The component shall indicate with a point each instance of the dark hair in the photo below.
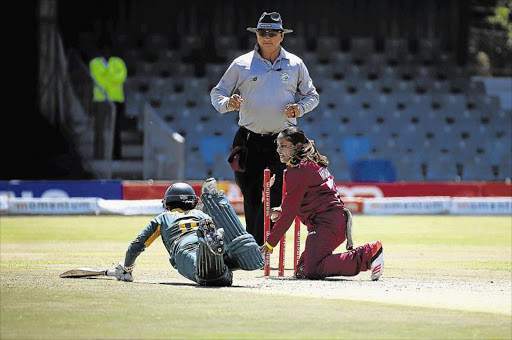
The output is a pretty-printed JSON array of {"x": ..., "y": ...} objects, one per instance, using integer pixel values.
[{"x": 308, "y": 152}]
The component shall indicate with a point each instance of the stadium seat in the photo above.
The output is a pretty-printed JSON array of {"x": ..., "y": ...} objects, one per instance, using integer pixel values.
[
  {"x": 373, "y": 170},
  {"x": 221, "y": 169},
  {"x": 339, "y": 58},
  {"x": 505, "y": 170},
  {"x": 441, "y": 167},
  {"x": 395, "y": 48},
  {"x": 338, "y": 166},
  {"x": 361, "y": 46},
  {"x": 210, "y": 146},
  {"x": 157, "y": 42},
  {"x": 355, "y": 147},
  {"x": 146, "y": 69},
  {"x": 294, "y": 43},
  {"x": 325, "y": 44},
  {"x": 167, "y": 55},
  {"x": 476, "y": 88},
  {"x": 190, "y": 42},
  {"x": 477, "y": 169},
  {"x": 224, "y": 43},
  {"x": 214, "y": 72}
]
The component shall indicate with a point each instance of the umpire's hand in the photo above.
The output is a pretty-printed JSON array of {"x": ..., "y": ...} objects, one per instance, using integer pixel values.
[
  {"x": 292, "y": 110},
  {"x": 235, "y": 101}
]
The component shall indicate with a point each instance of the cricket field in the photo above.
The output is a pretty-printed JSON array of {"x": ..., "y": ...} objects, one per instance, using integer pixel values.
[{"x": 445, "y": 277}]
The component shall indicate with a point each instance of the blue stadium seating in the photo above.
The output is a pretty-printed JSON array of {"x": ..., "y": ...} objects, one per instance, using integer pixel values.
[
  {"x": 211, "y": 146},
  {"x": 428, "y": 119},
  {"x": 373, "y": 170},
  {"x": 355, "y": 147}
]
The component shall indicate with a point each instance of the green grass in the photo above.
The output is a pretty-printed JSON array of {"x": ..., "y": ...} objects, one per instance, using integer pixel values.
[{"x": 35, "y": 303}]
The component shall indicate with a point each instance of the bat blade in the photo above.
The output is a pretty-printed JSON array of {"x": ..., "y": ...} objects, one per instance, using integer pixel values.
[{"x": 85, "y": 272}]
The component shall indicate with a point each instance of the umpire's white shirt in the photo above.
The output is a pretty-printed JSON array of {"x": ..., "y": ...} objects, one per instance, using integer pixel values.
[{"x": 266, "y": 90}]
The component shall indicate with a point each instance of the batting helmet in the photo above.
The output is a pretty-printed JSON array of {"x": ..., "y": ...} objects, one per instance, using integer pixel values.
[{"x": 180, "y": 195}]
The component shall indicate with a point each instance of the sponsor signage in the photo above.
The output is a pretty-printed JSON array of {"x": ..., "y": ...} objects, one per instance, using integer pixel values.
[
  {"x": 407, "y": 205},
  {"x": 154, "y": 190},
  {"x": 106, "y": 189},
  {"x": 482, "y": 206},
  {"x": 52, "y": 206}
]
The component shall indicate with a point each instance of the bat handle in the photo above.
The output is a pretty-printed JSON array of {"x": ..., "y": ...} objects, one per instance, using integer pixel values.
[{"x": 110, "y": 272}]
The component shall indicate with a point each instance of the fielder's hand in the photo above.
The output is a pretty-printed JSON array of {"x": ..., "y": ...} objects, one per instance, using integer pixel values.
[
  {"x": 235, "y": 101},
  {"x": 266, "y": 248},
  {"x": 123, "y": 273},
  {"x": 275, "y": 213},
  {"x": 292, "y": 110}
]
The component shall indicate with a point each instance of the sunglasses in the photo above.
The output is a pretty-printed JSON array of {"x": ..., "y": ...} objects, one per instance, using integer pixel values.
[{"x": 268, "y": 33}]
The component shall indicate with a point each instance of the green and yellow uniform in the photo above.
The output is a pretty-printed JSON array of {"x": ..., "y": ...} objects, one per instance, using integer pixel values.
[{"x": 178, "y": 230}]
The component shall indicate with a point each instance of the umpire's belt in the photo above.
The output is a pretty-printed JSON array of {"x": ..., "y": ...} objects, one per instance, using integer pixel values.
[{"x": 259, "y": 136}]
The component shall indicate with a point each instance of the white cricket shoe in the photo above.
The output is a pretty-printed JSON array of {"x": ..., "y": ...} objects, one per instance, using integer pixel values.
[
  {"x": 377, "y": 265},
  {"x": 211, "y": 236},
  {"x": 209, "y": 186}
]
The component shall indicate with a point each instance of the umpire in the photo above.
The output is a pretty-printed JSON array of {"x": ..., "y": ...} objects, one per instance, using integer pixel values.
[{"x": 271, "y": 88}]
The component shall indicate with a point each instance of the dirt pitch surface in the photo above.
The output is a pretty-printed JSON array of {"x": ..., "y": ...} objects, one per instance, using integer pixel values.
[{"x": 489, "y": 296}]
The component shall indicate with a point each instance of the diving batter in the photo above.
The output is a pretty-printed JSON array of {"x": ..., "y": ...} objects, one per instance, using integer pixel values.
[{"x": 204, "y": 246}]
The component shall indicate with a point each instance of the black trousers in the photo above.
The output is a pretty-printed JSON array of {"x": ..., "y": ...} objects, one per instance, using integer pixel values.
[{"x": 261, "y": 154}]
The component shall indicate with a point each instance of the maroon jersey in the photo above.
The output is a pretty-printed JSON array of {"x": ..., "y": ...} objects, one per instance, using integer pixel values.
[{"x": 310, "y": 190}]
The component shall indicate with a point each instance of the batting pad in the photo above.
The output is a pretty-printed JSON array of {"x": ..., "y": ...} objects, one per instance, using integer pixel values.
[
  {"x": 223, "y": 215},
  {"x": 246, "y": 252},
  {"x": 240, "y": 245},
  {"x": 210, "y": 268}
]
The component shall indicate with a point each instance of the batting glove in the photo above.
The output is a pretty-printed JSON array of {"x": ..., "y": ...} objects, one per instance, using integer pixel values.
[{"x": 124, "y": 273}]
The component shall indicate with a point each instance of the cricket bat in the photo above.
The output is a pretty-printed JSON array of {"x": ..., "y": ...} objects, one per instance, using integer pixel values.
[{"x": 87, "y": 272}]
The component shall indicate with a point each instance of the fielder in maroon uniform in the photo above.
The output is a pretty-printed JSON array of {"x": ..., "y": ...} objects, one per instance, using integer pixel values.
[{"x": 312, "y": 196}]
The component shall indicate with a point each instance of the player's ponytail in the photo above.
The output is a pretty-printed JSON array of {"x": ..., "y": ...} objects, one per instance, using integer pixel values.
[{"x": 308, "y": 152}]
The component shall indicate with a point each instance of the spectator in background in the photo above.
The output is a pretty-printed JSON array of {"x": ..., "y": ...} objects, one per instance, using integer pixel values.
[
  {"x": 271, "y": 88},
  {"x": 108, "y": 80}
]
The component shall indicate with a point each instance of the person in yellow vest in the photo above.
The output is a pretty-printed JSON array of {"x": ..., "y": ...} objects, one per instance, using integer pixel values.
[{"x": 108, "y": 80}]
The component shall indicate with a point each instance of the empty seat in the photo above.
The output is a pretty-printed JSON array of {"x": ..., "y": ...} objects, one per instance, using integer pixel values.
[
  {"x": 338, "y": 165},
  {"x": 190, "y": 42},
  {"x": 373, "y": 170},
  {"x": 362, "y": 46},
  {"x": 210, "y": 146},
  {"x": 504, "y": 170},
  {"x": 320, "y": 71},
  {"x": 167, "y": 55},
  {"x": 215, "y": 71},
  {"x": 477, "y": 169},
  {"x": 441, "y": 167},
  {"x": 326, "y": 44},
  {"x": 221, "y": 169},
  {"x": 224, "y": 43},
  {"x": 157, "y": 42},
  {"x": 339, "y": 58},
  {"x": 146, "y": 69},
  {"x": 355, "y": 147},
  {"x": 396, "y": 47},
  {"x": 428, "y": 48},
  {"x": 294, "y": 43},
  {"x": 195, "y": 169},
  {"x": 455, "y": 104}
]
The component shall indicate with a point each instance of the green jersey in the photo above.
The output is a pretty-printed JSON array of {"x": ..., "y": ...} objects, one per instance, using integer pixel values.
[{"x": 172, "y": 226}]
